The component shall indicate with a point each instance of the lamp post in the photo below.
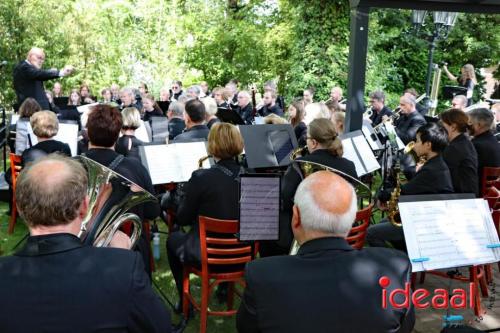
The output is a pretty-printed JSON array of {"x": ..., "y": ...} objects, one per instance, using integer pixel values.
[{"x": 443, "y": 23}]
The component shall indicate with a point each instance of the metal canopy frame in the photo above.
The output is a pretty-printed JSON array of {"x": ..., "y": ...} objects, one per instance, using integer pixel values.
[{"x": 358, "y": 42}]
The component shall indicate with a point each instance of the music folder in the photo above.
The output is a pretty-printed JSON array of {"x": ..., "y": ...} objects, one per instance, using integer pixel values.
[
  {"x": 357, "y": 150},
  {"x": 173, "y": 163},
  {"x": 448, "y": 231},
  {"x": 451, "y": 91},
  {"x": 371, "y": 136},
  {"x": 159, "y": 129},
  {"x": 259, "y": 207},
  {"x": 268, "y": 146},
  {"x": 163, "y": 106},
  {"x": 61, "y": 102},
  {"x": 229, "y": 116}
]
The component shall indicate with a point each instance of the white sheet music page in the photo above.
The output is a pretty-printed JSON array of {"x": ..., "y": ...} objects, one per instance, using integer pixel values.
[
  {"x": 350, "y": 154},
  {"x": 448, "y": 233},
  {"x": 161, "y": 164},
  {"x": 368, "y": 136},
  {"x": 366, "y": 154},
  {"x": 68, "y": 133},
  {"x": 187, "y": 156}
]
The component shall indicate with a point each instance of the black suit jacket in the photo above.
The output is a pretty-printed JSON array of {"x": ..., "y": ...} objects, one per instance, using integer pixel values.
[
  {"x": 407, "y": 126},
  {"x": 376, "y": 117},
  {"x": 210, "y": 192},
  {"x": 54, "y": 284},
  {"x": 246, "y": 113},
  {"x": 461, "y": 158},
  {"x": 43, "y": 148},
  {"x": 327, "y": 287},
  {"x": 28, "y": 82},
  {"x": 195, "y": 133},
  {"x": 433, "y": 178},
  {"x": 488, "y": 152},
  {"x": 266, "y": 110},
  {"x": 175, "y": 127}
]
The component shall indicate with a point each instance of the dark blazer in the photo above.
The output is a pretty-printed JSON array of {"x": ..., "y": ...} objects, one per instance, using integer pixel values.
[
  {"x": 488, "y": 152},
  {"x": 195, "y": 133},
  {"x": 376, "y": 117},
  {"x": 461, "y": 158},
  {"x": 301, "y": 133},
  {"x": 266, "y": 110},
  {"x": 67, "y": 287},
  {"x": 28, "y": 82},
  {"x": 210, "y": 192},
  {"x": 246, "y": 113},
  {"x": 407, "y": 126},
  {"x": 327, "y": 287},
  {"x": 175, "y": 127},
  {"x": 433, "y": 178},
  {"x": 291, "y": 181},
  {"x": 122, "y": 144}
]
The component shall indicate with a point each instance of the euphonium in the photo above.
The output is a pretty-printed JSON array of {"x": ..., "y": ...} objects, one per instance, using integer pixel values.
[
  {"x": 410, "y": 151},
  {"x": 110, "y": 197}
]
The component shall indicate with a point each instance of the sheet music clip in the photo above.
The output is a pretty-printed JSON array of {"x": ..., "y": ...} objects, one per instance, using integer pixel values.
[
  {"x": 420, "y": 259},
  {"x": 493, "y": 246}
]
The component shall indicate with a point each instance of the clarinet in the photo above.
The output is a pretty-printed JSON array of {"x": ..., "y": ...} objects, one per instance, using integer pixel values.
[{"x": 254, "y": 103}]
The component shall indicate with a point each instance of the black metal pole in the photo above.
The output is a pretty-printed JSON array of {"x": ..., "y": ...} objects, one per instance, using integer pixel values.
[{"x": 432, "y": 46}]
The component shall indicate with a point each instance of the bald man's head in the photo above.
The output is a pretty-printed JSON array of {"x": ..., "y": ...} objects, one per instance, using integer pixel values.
[
  {"x": 50, "y": 191},
  {"x": 327, "y": 203},
  {"x": 36, "y": 57}
]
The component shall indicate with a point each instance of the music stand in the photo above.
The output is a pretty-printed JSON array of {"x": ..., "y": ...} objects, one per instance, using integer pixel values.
[
  {"x": 449, "y": 92},
  {"x": 163, "y": 106},
  {"x": 61, "y": 102},
  {"x": 229, "y": 116}
]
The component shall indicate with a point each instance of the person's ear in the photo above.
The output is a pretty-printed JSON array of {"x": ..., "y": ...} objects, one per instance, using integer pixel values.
[
  {"x": 296, "y": 222},
  {"x": 84, "y": 207}
]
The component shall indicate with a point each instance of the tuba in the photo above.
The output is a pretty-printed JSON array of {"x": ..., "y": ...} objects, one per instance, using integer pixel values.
[{"x": 111, "y": 196}]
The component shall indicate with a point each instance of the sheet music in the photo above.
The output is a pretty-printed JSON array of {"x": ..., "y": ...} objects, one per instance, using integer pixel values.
[
  {"x": 175, "y": 162},
  {"x": 366, "y": 154},
  {"x": 159, "y": 127},
  {"x": 14, "y": 118},
  {"x": 392, "y": 130},
  {"x": 350, "y": 154},
  {"x": 86, "y": 108},
  {"x": 67, "y": 133},
  {"x": 449, "y": 233},
  {"x": 259, "y": 208},
  {"x": 142, "y": 133},
  {"x": 368, "y": 135}
]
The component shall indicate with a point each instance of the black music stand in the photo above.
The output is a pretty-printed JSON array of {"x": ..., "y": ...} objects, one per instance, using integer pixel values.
[
  {"x": 61, "y": 102},
  {"x": 163, "y": 106},
  {"x": 449, "y": 92},
  {"x": 229, "y": 116}
]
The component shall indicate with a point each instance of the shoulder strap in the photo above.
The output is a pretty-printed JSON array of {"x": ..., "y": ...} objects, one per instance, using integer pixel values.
[{"x": 114, "y": 164}]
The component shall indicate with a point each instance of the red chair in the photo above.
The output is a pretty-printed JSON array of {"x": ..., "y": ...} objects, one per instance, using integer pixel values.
[
  {"x": 491, "y": 178},
  {"x": 492, "y": 195},
  {"x": 15, "y": 169},
  {"x": 357, "y": 234},
  {"x": 223, "y": 259}
]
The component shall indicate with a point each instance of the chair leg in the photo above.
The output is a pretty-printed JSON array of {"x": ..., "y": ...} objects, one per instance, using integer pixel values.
[
  {"x": 422, "y": 277},
  {"x": 185, "y": 293},
  {"x": 413, "y": 279},
  {"x": 230, "y": 295},
  {"x": 489, "y": 273},
  {"x": 474, "y": 279},
  {"x": 482, "y": 281},
  {"x": 13, "y": 218},
  {"x": 204, "y": 305}
]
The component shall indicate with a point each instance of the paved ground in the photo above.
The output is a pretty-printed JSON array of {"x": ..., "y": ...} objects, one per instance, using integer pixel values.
[{"x": 432, "y": 320}]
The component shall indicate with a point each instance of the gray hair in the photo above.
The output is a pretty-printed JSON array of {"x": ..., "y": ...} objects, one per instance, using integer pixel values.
[
  {"x": 177, "y": 109},
  {"x": 128, "y": 91},
  {"x": 244, "y": 93},
  {"x": 314, "y": 217},
  {"x": 461, "y": 99},
  {"x": 410, "y": 99},
  {"x": 378, "y": 95},
  {"x": 210, "y": 106},
  {"x": 196, "y": 90},
  {"x": 184, "y": 98},
  {"x": 482, "y": 116}
]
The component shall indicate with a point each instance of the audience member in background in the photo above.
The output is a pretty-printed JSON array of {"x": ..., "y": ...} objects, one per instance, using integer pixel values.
[
  {"x": 127, "y": 97},
  {"x": 103, "y": 126},
  {"x": 467, "y": 79},
  {"x": 74, "y": 98},
  {"x": 107, "y": 285},
  {"x": 194, "y": 92},
  {"x": 26, "y": 110},
  {"x": 128, "y": 144},
  {"x": 460, "y": 155},
  {"x": 194, "y": 118},
  {"x": 328, "y": 286},
  {"x": 315, "y": 111},
  {"x": 270, "y": 106},
  {"x": 325, "y": 147},
  {"x": 45, "y": 126},
  {"x": 204, "y": 89},
  {"x": 164, "y": 94},
  {"x": 143, "y": 89},
  {"x": 115, "y": 91},
  {"x": 459, "y": 102},
  {"x": 378, "y": 107},
  {"x": 211, "y": 111},
  {"x": 244, "y": 108},
  {"x": 57, "y": 90},
  {"x": 176, "y": 90},
  {"x": 210, "y": 192},
  {"x": 107, "y": 95},
  {"x": 338, "y": 119},
  {"x": 296, "y": 117},
  {"x": 175, "y": 117},
  {"x": 50, "y": 98},
  {"x": 308, "y": 96},
  {"x": 87, "y": 98},
  {"x": 150, "y": 108},
  {"x": 487, "y": 146}
]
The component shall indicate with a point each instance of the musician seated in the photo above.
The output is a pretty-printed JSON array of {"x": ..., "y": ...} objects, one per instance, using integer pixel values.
[
  {"x": 328, "y": 286},
  {"x": 103, "y": 127},
  {"x": 150, "y": 108},
  {"x": 460, "y": 155},
  {"x": 325, "y": 148},
  {"x": 433, "y": 177},
  {"x": 336, "y": 96},
  {"x": 221, "y": 96},
  {"x": 378, "y": 107},
  {"x": 65, "y": 286},
  {"x": 244, "y": 108},
  {"x": 45, "y": 126},
  {"x": 128, "y": 99},
  {"x": 26, "y": 110},
  {"x": 128, "y": 144},
  {"x": 422, "y": 109},
  {"x": 296, "y": 116},
  {"x": 210, "y": 192},
  {"x": 270, "y": 106},
  {"x": 194, "y": 118},
  {"x": 338, "y": 119},
  {"x": 315, "y": 111},
  {"x": 211, "y": 111},
  {"x": 175, "y": 116},
  {"x": 459, "y": 102},
  {"x": 487, "y": 146}
]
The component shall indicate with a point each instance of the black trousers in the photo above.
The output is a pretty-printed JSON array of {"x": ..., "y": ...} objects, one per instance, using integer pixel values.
[
  {"x": 379, "y": 235},
  {"x": 175, "y": 254}
]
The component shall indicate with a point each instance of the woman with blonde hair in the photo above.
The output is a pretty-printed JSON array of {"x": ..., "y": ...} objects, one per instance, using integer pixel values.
[
  {"x": 212, "y": 192},
  {"x": 128, "y": 144},
  {"x": 325, "y": 148},
  {"x": 467, "y": 79}
]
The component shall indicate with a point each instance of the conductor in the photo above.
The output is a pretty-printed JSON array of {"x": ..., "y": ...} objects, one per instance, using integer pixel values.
[{"x": 29, "y": 77}]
